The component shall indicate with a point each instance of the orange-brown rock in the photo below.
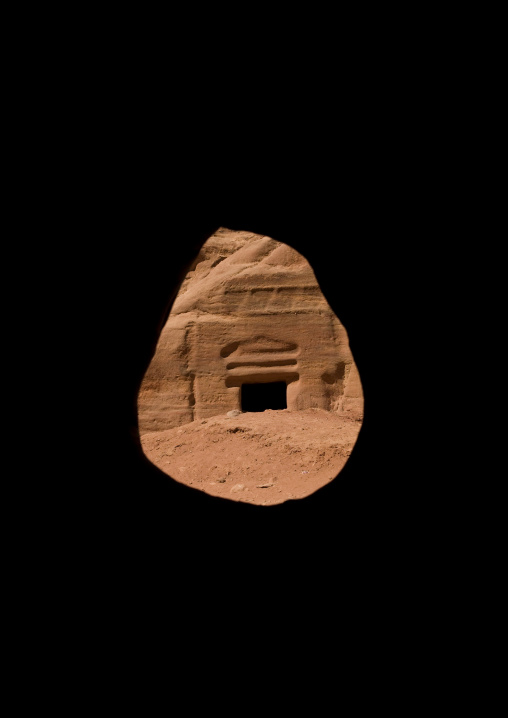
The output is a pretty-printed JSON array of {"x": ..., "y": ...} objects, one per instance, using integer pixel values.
[{"x": 249, "y": 330}]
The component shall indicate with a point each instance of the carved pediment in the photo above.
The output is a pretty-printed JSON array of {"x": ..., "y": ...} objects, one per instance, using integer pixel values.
[{"x": 257, "y": 345}]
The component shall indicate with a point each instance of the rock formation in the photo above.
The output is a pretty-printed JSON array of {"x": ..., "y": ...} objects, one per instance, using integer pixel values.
[{"x": 249, "y": 330}]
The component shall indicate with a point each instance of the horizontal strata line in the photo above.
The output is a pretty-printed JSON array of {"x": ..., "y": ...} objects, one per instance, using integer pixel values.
[
  {"x": 247, "y": 290},
  {"x": 275, "y": 312},
  {"x": 268, "y": 362},
  {"x": 261, "y": 370}
]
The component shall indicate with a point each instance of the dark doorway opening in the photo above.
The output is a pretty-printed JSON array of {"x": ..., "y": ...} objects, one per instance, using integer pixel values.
[{"x": 259, "y": 397}]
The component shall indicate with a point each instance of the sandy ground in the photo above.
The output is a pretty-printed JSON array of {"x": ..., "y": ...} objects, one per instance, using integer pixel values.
[{"x": 263, "y": 458}]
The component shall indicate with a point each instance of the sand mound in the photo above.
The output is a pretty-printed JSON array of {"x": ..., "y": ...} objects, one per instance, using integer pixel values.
[{"x": 262, "y": 458}]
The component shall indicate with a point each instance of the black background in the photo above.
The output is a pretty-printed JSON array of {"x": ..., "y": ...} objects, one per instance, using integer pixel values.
[
  {"x": 348, "y": 190},
  {"x": 351, "y": 213},
  {"x": 345, "y": 145}
]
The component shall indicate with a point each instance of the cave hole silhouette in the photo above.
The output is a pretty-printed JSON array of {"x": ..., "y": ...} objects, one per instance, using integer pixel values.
[{"x": 262, "y": 396}]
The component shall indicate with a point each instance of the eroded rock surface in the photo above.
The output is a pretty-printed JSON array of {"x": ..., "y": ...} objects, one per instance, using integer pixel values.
[{"x": 249, "y": 330}]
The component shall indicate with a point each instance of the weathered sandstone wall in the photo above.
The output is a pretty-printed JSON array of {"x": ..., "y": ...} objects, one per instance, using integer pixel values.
[{"x": 249, "y": 312}]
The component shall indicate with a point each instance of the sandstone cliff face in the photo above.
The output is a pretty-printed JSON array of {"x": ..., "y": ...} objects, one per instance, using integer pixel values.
[{"x": 249, "y": 330}]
